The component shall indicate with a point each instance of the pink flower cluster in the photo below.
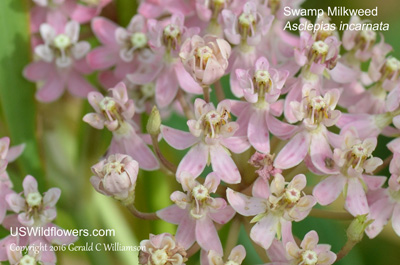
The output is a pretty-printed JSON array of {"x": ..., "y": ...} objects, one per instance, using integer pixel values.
[
  {"x": 27, "y": 210},
  {"x": 300, "y": 110}
]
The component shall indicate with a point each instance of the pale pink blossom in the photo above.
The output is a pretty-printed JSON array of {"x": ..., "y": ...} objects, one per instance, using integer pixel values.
[
  {"x": 352, "y": 167},
  {"x": 274, "y": 209},
  {"x": 162, "y": 249},
  {"x": 384, "y": 204},
  {"x": 157, "y": 8},
  {"x": 61, "y": 63},
  {"x": 195, "y": 210},
  {"x": 36, "y": 210},
  {"x": 210, "y": 137},
  {"x": 309, "y": 252},
  {"x": 116, "y": 176},
  {"x": 58, "y": 12},
  {"x": 35, "y": 253},
  {"x": 125, "y": 49},
  {"x": 261, "y": 87},
  {"x": 167, "y": 72},
  {"x": 246, "y": 31},
  {"x": 236, "y": 257},
  {"x": 206, "y": 59},
  {"x": 116, "y": 112},
  {"x": 311, "y": 137}
]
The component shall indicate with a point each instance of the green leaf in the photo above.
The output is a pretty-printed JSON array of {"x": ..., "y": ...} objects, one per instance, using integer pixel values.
[{"x": 16, "y": 93}]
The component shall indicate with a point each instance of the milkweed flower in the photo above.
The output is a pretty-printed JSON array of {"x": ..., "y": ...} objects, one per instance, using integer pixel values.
[
  {"x": 236, "y": 257},
  {"x": 206, "y": 59},
  {"x": 384, "y": 203},
  {"x": 115, "y": 112},
  {"x": 36, "y": 210},
  {"x": 161, "y": 249},
  {"x": 210, "y": 137},
  {"x": 352, "y": 165},
  {"x": 62, "y": 63},
  {"x": 261, "y": 87},
  {"x": 116, "y": 176},
  {"x": 309, "y": 252},
  {"x": 274, "y": 209},
  {"x": 195, "y": 210}
]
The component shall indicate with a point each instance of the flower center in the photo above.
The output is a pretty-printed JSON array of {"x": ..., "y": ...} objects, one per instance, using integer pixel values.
[
  {"x": 359, "y": 151},
  {"x": 139, "y": 40},
  {"x": 27, "y": 260},
  {"x": 320, "y": 47},
  {"x": 114, "y": 167},
  {"x": 246, "y": 19},
  {"x": 108, "y": 104},
  {"x": 160, "y": 257},
  {"x": 392, "y": 64},
  {"x": 34, "y": 199},
  {"x": 368, "y": 35},
  {"x": 62, "y": 41},
  {"x": 148, "y": 90},
  {"x": 200, "y": 193},
  {"x": 203, "y": 54},
  {"x": 318, "y": 103},
  {"x": 172, "y": 31},
  {"x": 213, "y": 121},
  {"x": 309, "y": 257},
  {"x": 230, "y": 262},
  {"x": 292, "y": 195},
  {"x": 262, "y": 76}
]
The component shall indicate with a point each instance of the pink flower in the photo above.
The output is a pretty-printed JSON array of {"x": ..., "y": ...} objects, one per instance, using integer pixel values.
[
  {"x": 57, "y": 12},
  {"x": 116, "y": 113},
  {"x": 62, "y": 63},
  {"x": 384, "y": 204},
  {"x": 206, "y": 59},
  {"x": 116, "y": 177},
  {"x": 165, "y": 39},
  {"x": 36, "y": 210},
  {"x": 35, "y": 253},
  {"x": 126, "y": 49},
  {"x": 311, "y": 137},
  {"x": 162, "y": 249},
  {"x": 274, "y": 209},
  {"x": 211, "y": 135},
  {"x": 7, "y": 153},
  {"x": 308, "y": 252},
  {"x": 157, "y": 8},
  {"x": 261, "y": 88},
  {"x": 350, "y": 161},
  {"x": 195, "y": 210},
  {"x": 236, "y": 257}
]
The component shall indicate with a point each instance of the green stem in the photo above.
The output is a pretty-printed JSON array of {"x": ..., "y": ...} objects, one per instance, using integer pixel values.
[
  {"x": 206, "y": 93},
  {"x": 326, "y": 214},
  {"x": 184, "y": 104},
  {"x": 233, "y": 235},
  {"x": 141, "y": 215},
  {"x": 346, "y": 249},
  {"x": 219, "y": 91},
  {"x": 168, "y": 165}
]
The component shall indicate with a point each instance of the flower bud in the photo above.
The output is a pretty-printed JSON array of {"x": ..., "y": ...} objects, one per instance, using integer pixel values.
[
  {"x": 154, "y": 122},
  {"x": 355, "y": 232},
  {"x": 116, "y": 177}
]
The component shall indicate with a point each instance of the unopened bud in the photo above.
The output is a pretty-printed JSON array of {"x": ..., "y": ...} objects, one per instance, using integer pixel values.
[
  {"x": 154, "y": 122},
  {"x": 355, "y": 232}
]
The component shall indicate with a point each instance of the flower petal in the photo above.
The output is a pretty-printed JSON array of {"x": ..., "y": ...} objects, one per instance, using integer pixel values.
[
  {"x": 245, "y": 205},
  {"x": 329, "y": 189},
  {"x": 223, "y": 164},
  {"x": 293, "y": 152}
]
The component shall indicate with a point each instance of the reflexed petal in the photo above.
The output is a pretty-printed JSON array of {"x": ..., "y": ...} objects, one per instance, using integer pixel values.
[
  {"x": 185, "y": 235},
  {"x": 223, "y": 216},
  {"x": 223, "y": 164},
  {"x": 293, "y": 152},
  {"x": 207, "y": 236},
  {"x": 194, "y": 161},
  {"x": 245, "y": 205},
  {"x": 172, "y": 214},
  {"x": 258, "y": 132},
  {"x": 356, "y": 201},
  {"x": 104, "y": 30},
  {"x": 329, "y": 189},
  {"x": 265, "y": 230},
  {"x": 178, "y": 139}
]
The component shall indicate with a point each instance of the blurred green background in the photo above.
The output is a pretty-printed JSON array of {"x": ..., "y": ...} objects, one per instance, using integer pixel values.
[{"x": 61, "y": 149}]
